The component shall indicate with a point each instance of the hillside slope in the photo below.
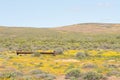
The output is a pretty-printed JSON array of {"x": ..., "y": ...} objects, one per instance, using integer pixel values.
[
  {"x": 67, "y": 37},
  {"x": 91, "y": 28}
]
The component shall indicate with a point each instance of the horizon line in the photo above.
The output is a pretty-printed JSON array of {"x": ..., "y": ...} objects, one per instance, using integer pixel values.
[{"x": 57, "y": 26}]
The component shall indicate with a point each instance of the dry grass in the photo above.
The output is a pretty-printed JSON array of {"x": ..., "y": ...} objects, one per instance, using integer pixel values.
[{"x": 91, "y": 28}]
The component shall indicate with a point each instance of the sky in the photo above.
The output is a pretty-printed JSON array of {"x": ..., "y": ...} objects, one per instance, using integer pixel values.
[{"x": 56, "y": 13}]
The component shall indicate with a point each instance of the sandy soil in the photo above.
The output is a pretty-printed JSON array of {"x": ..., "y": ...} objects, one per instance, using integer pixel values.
[{"x": 66, "y": 60}]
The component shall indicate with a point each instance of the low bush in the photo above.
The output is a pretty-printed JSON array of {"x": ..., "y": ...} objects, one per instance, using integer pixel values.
[
  {"x": 36, "y": 54},
  {"x": 50, "y": 77},
  {"x": 73, "y": 73},
  {"x": 81, "y": 55},
  {"x": 11, "y": 74},
  {"x": 89, "y": 65},
  {"x": 92, "y": 76},
  {"x": 59, "y": 51},
  {"x": 38, "y": 74},
  {"x": 113, "y": 73},
  {"x": 39, "y": 65},
  {"x": 36, "y": 71},
  {"x": 113, "y": 66},
  {"x": 26, "y": 77},
  {"x": 69, "y": 67}
]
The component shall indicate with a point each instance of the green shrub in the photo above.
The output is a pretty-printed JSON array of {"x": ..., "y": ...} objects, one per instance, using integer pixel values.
[
  {"x": 70, "y": 67},
  {"x": 36, "y": 71},
  {"x": 27, "y": 77},
  {"x": 44, "y": 76},
  {"x": 74, "y": 72},
  {"x": 11, "y": 74},
  {"x": 113, "y": 66},
  {"x": 113, "y": 73},
  {"x": 73, "y": 78},
  {"x": 92, "y": 76},
  {"x": 89, "y": 65},
  {"x": 81, "y": 55},
  {"x": 39, "y": 65},
  {"x": 38, "y": 74},
  {"x": 59, "y": 51},
  {"x": 36, "y": 54},
  {"x": 50, "y": 77}
]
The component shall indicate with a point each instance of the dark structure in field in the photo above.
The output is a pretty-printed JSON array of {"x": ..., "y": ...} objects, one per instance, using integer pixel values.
[
  {"x": 23, "y": 52},
  {"x": 28, "y": 52},
  {"x": 53, "y": 53}
]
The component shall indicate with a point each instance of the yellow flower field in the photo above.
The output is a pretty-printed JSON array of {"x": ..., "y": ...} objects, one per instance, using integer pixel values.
[{"x": 58, "y": 65}]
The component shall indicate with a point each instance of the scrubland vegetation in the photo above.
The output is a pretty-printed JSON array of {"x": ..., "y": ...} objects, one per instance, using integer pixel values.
[
  {"x": 80, "y": 56},
  {"x": 45, "y": 39}
]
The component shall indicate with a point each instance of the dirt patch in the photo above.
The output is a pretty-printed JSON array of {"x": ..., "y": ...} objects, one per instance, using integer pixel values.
[
  {"x": 61, "y": 78},
  {"x": 114, "y": 78},
  {"x": 110, "y": 78},
  {"x": 66, "y": 60}
]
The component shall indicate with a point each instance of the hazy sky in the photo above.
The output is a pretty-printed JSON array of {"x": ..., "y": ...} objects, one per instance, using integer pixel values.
[{"x": 53, "y": 13}]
